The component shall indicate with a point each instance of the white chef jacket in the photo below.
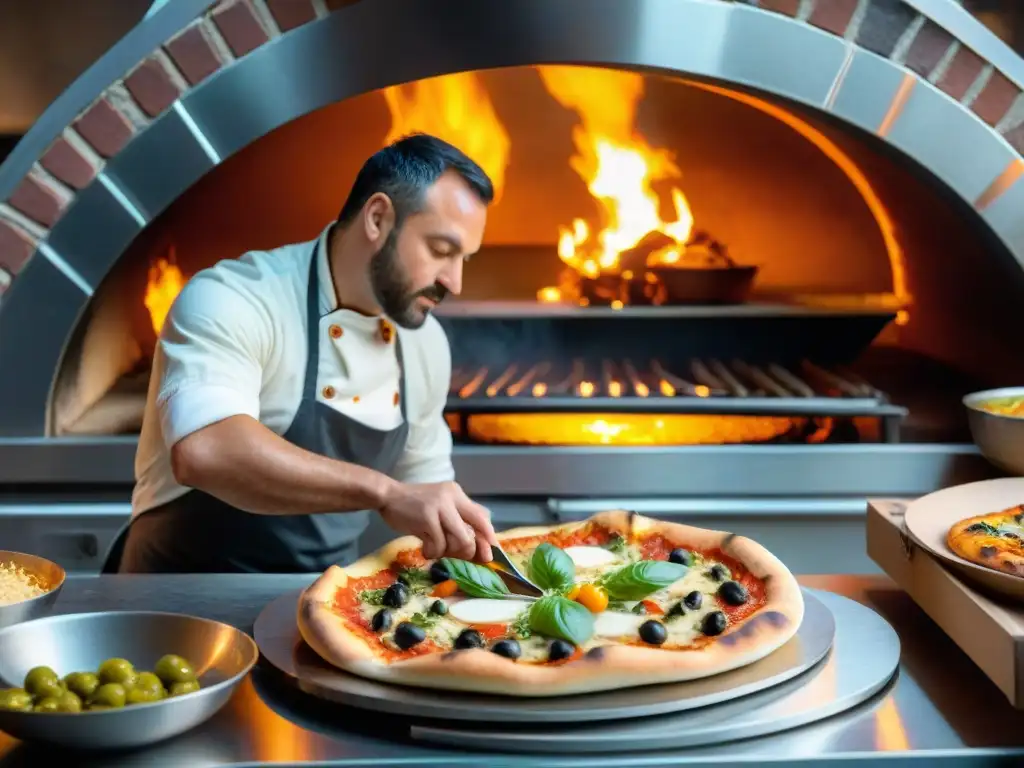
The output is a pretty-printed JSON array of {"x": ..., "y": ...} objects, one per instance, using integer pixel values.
[{"x": 235, "y": 343}]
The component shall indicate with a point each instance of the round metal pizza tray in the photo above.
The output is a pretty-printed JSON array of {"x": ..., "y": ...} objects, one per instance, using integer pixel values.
[
  {"x": 279, "y": 641},
  {"x": 929, "y": 519}
]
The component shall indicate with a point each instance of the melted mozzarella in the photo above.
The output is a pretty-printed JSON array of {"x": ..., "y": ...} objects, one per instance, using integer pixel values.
[
  {"x": 590, "y": 557},
  {"x": 487, "y": 611},
  {"x": 615, "y": 624}
]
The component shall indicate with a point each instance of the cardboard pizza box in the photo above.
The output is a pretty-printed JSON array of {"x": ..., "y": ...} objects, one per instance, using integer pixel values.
[{"x": 987, "y": 629}]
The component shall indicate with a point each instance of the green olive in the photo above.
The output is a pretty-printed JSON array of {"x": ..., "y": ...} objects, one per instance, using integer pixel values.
[
  {"x": 174, "y": 669},
  {"x": 118, "y": 671},
  {"x": 42, "y": 682},
  {"x": 49, "y": 704},
  {"x": 143, "y": 696},
  {"x": 150, "y": 683},
  {"x": 108, "y": 695},
  {"x": 15, "y": 700},
  {"x": 82, "y": 683},
  {"x": 188, "y": 686},
  {"x": 69, "y": 702}
]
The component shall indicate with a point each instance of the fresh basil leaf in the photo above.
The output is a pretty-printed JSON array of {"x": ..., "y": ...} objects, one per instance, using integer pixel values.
[
  {"x": 638, "y": 580},
  {"x": 983, "y": 527},
  {"x": 557, "y": 616},
  {"x": 551, "y": 568},
  {"x": 424, "y": 620},
  {"x": 475, "y": 580}
]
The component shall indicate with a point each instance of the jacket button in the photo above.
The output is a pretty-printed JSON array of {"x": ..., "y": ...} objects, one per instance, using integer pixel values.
[
  {"x": 328, "y": 392},
  {"x": 335, "y": 331},
  {"x": 396, "y": 398}
]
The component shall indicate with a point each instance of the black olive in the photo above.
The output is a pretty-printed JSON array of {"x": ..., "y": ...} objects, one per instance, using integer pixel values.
[
  {"x": 719, "y": 572},
  {"x": 693, "y": 600},
  {"x": 438, "y": 572},
  {"x": 559, "y": 650},
  {"x": 653, "y": 632},
  {"x": 976, "y": 528},
  {"x": 733, "y": 593},
  {"x": 676, "y": 611},
  {"x": 407, "y": 635},
  {"x": 509, "y": 648},
  {"x": 681, "y": 557},
  {"x": 469, "y": 638},
  {"x": 639, "y": 609},
  {"x": 381, "y": 620},
  {"x": 439, "y": 607},
  {"x": 714, "y": 623},
  {"x": 396, "y": 595}
]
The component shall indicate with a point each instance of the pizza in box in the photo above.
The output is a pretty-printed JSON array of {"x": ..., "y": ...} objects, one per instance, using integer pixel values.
[{"x": 628, "y": 601}]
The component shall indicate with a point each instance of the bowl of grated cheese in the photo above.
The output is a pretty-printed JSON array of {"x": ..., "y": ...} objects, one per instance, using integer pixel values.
[{"x": 29, "y": 586}]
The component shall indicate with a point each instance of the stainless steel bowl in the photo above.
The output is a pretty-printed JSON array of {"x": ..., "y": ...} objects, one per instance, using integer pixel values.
[
  {"x": 999, "y": 438},
  {"x": 80, "y": 642},
  {"x": 49, "y": 574}
]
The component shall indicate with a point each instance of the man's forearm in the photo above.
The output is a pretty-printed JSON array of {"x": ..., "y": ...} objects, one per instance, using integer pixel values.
[{"x": 243, "y": 463}]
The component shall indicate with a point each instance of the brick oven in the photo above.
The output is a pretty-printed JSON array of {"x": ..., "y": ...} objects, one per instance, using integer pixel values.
[{"x": 745, "y": 259}]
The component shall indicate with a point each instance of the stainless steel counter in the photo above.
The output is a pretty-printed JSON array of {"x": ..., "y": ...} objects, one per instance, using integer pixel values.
[{"x": 940, "y": 708}]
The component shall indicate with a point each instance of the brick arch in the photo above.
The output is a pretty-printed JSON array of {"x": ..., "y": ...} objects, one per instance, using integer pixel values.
[{"x": 888, "y": 67}]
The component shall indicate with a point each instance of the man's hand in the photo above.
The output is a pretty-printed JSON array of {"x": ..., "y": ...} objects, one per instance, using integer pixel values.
[{"x": 443, "y": 517}]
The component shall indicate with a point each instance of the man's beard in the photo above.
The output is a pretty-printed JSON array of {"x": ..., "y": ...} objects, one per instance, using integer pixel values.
[{"x": 393, "y": 290}]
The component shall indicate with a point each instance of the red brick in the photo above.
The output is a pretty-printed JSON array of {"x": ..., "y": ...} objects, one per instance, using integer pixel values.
[
  {"x": 37, "y": 200},
  {"x": 833, "y": 15},
  {"x": 152, "y": 87},
  {"x": 961, "y": 74},
  {"x": 240, "y": 27},
  {"x": 16, "y": 246},
  {"x": 788, "y": 7},
  {"x": 995, "y": 99},
  {"x": 194, "y": 54},
  {"x": 290, "y": 14},
  {"x": 927, "y": 49},
  {"x": 68, "y": 164},
  {"x": 106, "y": 129}
]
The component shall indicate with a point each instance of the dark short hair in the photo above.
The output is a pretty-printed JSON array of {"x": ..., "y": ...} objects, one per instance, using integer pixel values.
[{"x": 406, "y": 169}]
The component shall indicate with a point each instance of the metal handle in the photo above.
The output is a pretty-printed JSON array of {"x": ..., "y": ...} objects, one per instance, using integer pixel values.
[{"x": 574, "y": 509}]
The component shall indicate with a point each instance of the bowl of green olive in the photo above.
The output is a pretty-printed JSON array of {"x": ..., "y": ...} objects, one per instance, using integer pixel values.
[{"x": 117, "y": 679}]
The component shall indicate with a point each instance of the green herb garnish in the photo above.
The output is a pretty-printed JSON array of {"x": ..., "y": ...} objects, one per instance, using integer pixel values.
[
  {"x": 617, "y": 544},
  {"x": 642, "y": 578},
  {"x": 424, "y": 620},
  {"x": 475, "y": 580},
  {"x": 521, "y": 626},
  {"x": 372, "y": 596},
  {"x": 557, "y": 616},
  {"x": 417, "y": 579},
  {"x": 991, "y": 530},
  {"x": 551, "y": 568}
]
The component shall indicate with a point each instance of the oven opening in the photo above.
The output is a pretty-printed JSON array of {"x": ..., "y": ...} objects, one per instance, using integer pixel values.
[{"x": 667, "y": 263}]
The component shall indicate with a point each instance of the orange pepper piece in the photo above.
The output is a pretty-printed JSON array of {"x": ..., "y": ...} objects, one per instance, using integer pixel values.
[
  {"x": 573, "y": 592},
  {"x": 652, "y": 607},
  {"x": 593, "y": 598},
  {"x": 445, "y": 588}
]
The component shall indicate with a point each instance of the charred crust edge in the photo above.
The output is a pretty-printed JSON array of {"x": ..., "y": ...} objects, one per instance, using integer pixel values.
[
  {"x": 753, "y": 626},
  {"x": 595, "y": 654}
]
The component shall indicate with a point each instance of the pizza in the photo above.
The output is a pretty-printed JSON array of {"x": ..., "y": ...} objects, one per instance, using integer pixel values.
[
  {"x": 994, "y": 540},
  {"x": 627, "y": 601}
]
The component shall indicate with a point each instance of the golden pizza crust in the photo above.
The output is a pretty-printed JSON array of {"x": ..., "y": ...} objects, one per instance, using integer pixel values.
[
  {"x": 602, "y": 668},
  {"x": 999, "y": 553}
]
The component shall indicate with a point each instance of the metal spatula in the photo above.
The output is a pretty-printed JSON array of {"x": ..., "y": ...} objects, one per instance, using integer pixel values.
[{"x": 512, "y": 573}]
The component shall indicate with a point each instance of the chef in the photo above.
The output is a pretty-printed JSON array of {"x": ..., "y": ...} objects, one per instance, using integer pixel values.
[{"x": 293, "y": 390}]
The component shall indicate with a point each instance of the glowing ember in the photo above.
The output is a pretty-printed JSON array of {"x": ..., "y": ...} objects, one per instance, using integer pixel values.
[
  {"x": 455, "y": 108},
  {"x": 619, "y": 168},
  {"x": 163, "y": 286}
]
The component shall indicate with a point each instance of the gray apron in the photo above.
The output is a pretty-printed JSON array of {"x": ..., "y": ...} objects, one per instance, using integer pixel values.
[{"x": 198, "y": 533}]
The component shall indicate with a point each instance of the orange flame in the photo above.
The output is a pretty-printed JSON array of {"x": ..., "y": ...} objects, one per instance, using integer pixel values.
[
  {"x": 619, "y": 168},
  {"x": 457, "y": 109},
  {"x": 163, "y": 286}
]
